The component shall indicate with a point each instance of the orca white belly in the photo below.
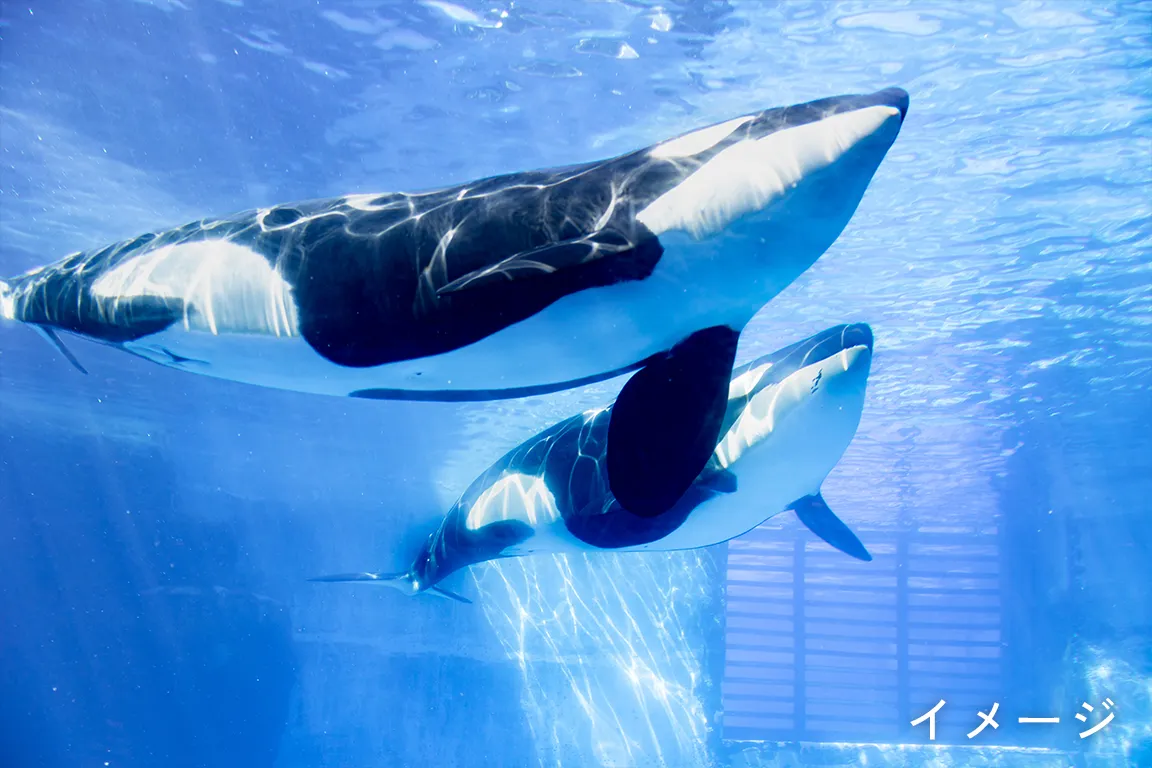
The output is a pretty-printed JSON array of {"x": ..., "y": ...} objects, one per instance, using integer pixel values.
[
  {"x": 583, "y": 336},
  {"x": 717, "y": 520}
]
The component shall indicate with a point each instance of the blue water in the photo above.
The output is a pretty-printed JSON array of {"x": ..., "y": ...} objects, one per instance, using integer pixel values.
[{"x": 156, "y": 528}]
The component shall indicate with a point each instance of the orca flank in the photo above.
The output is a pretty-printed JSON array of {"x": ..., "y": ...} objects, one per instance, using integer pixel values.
[{"x": 373, "y": 293}]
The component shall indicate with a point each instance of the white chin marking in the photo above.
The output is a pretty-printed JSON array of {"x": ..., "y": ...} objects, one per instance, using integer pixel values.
[
  {"x": 225, "y": 287},
  {"x": 851, "y": 356},
  {"x": 750, "y": 175},
  {"x": 747, "y": 381},
  {"x": 763, "y": 414},
  {"x": 697, "y": 141}
]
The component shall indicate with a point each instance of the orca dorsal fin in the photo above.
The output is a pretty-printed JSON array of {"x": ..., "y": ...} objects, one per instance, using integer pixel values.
[{"x": 814, "y": 512}]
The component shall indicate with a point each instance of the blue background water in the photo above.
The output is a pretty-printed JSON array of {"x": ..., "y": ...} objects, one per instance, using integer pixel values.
[{"x": 157, "y": 528}]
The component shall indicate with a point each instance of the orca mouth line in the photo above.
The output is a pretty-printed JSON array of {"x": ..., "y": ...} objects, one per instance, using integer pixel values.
[
  {"x": 811, "y": 351},
  {"x": 892, "y": 97},
  {"x": 775, "y": 119},
  {"x": 856, "y": 335},
  {"x": 827, "y": 344}
]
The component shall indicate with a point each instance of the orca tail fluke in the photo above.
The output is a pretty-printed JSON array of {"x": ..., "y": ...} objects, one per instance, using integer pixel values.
[
  {"x": 386, "y": 578},
  {"x": 403, "y": 581},
  {"x": 450, "y": 594}
]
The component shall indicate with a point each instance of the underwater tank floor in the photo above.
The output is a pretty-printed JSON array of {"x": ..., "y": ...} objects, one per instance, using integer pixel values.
[{"x": 759, "y": 754}]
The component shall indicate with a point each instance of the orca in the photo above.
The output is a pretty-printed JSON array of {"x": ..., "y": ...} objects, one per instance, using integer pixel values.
[
  {"x": 526, "y": 283},
  {"x": 789, "y": 417}
]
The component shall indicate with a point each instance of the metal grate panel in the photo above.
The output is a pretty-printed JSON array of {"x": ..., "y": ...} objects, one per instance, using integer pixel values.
[{"x": 821, "y": 647}]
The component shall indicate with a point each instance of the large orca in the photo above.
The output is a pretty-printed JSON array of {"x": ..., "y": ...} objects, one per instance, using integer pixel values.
[
  {"x": 789, "y": 417},
  {"x": 524, "y": 283}
]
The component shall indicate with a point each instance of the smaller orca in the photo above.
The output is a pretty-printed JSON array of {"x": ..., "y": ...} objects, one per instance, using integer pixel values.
[{"x": 790, "y": 416}]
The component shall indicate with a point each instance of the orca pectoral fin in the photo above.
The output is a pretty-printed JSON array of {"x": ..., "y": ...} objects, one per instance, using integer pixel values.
[
  {"x": 450, "y": 594},
  {"x": 54, "y": 340},
  {"x": 814, "y": 512},
  {"x": 666, "y": 422},
  {"x": 632, "y": 259}
]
